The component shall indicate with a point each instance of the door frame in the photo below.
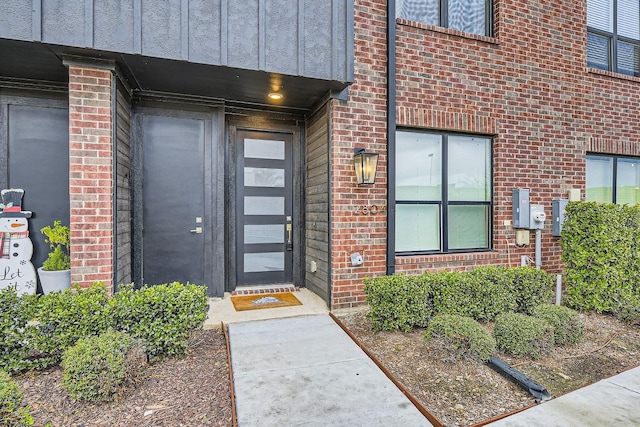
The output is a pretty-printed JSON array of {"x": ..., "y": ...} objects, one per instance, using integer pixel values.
[
  {"x": 258, "y": 124},
  {"x": 214, "y": 258}
]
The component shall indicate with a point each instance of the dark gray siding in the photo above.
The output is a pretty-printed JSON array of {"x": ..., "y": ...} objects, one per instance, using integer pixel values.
[
  {"x": 317, "y": 203},
  {"x": 123, "y": 190},
  {"x": 307, "y": 38}
]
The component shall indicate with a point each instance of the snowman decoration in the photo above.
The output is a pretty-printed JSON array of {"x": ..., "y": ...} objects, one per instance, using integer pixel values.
[{"x": 16, "y": 249}]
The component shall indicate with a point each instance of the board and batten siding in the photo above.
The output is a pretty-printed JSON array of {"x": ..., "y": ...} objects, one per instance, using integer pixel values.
[
  {"x": 317, "y": 203},
  {"x": 308, "y": 38},
  {"x": 123, "y": 186}
]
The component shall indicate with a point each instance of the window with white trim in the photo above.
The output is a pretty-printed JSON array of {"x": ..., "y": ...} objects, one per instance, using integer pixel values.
[
  {"x": 470, "y": 16},
  {"x": 443, "y": 192},
  {"x": 613, "y": 179},
  {"x": 613, "y": 37}
]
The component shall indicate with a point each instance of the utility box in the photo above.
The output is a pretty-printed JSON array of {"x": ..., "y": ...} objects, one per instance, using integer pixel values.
[
  {"x": 558, "y": 208},
  {"x": 521, "y": 208},
  {"x": 537, "y": 217}
]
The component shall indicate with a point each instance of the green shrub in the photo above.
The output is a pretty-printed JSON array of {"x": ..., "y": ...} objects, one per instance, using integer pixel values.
[
  {"x": 567, "y": 327},
  {"x": 98, "y": 368},
  {"x": 601, "y": 251},
  {"x": 522, "y": 335},
  {"x": 629, "y": 310},
  {"x": 12, "y": 413},
  {"x": 531, "y": 288},
  {"x": 163, "y": 316},
  {"x": 398, "y": 302},
  {"x": 463, "y": 334},
  {"x": 14, "y": 315},
  {"x": 63, "y": 318},
  {"x": 476, "y": 294}
]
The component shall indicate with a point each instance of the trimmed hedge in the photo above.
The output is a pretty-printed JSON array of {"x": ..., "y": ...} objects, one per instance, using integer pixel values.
[
  {"x": 163, "y": 316},
  {"x": 97, "y": 368},
  {"x": 601, "y": 251},
  {"x": 36, "y": 330},
  {"x": 14, "y": 315},
  {"x": 567, "y": 327},
  {"x": 63, "y": 318},
  {"x": 463, "y": 334},
  {"x": 12, "y": 411},
  {"x": 523, "y": 335},
  {"x": 481, "y": 294},
  {"x": 398, "y": 302},
  {"x": 404, "y": 302}
]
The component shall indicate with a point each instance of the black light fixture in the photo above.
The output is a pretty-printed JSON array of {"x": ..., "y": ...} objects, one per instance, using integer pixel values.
[{"x": 365, "y": 165}]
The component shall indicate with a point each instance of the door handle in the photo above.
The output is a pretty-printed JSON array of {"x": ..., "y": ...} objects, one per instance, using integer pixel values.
[
  {"x": 289, "y": 241},
  {"x": 197, "y": 230}
]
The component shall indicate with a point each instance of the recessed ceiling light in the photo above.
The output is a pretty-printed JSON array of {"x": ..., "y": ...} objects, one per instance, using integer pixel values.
[{"x": 276, "y": 96}]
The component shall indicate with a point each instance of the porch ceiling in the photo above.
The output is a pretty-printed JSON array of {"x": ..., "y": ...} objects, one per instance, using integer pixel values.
[{"x": 42, "y": 62}]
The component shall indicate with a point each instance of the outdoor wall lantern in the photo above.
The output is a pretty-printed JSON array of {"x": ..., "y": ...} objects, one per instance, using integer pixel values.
[{"x": 365, "y": 165}]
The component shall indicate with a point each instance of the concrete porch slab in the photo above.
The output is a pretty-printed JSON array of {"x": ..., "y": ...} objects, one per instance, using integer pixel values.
[{"x": 221, "y": 310}]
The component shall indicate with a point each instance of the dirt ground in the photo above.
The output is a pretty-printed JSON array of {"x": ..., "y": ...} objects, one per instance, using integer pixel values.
[
  {"x": 195, "y": 390},
  {"x": 192, "y": 391},
  {"x": 463, "y": 392}
]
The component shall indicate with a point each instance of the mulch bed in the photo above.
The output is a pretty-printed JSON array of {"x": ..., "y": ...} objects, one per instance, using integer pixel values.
[{"x": 191, "y": 391}]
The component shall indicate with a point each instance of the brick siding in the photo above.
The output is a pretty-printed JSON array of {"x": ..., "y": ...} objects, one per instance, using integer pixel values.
[
  {"x": 528, "y": 87},
  {"x": 90, "y": 176}
]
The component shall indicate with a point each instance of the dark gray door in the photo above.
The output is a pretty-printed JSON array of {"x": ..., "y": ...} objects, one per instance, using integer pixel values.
[
  {"x": 39, "y": 164},
  {"x": 174, "y": 226},
  {"x": 264, "y": 208}
]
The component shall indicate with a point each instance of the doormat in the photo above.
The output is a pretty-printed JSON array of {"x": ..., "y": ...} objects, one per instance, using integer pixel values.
[{"x": 258, "y": 301}]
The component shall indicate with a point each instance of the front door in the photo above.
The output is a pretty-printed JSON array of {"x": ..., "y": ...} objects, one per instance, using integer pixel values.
[
  {"x": 264, "y": 208},
  {"x": 175, "y": 224}
]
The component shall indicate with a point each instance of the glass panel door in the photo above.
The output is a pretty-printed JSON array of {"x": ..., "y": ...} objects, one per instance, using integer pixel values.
[{"x": 264, "y": 234}]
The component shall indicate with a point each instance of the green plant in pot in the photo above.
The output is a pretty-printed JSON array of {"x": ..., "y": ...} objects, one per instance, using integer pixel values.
[{"x": 55, "y": 273}]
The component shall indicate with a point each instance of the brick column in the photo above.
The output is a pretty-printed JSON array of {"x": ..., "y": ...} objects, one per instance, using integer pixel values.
[{"x": 91, "y": 166}]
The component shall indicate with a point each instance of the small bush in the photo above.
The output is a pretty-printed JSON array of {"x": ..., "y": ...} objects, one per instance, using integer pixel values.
[
  {"x": 98, "y": 368},
  {"x": 463, "y": 334},
  {"x": 398, "y": 302},
  {"x": 522, "y": 335},
  {"x": 531, "y": 288},
  {"x": 567, "y": 327},
  {"x": 62, "y": 318},
  {"x": 12, "y": 413},
  {"x": 480, "y": 294},
  {"x": 163, "y": 316}
]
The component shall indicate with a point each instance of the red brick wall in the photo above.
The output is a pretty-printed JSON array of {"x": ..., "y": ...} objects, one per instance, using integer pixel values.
[
  {"x": 528, "y": 87},
  {"x": 90, "y": 175},
  {"x": 360, "y": 122}
]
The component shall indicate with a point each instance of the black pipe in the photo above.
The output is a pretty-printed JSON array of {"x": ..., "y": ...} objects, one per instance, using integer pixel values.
[
  {"x": 535, "y": 388},
  {"x": 391, "y": 137}
]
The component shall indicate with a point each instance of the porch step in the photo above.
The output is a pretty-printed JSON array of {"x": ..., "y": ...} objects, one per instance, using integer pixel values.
[{"x": 265, "y": 289}]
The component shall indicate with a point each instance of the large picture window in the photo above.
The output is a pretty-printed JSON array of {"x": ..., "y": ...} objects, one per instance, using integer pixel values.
[
  {"x": 471, "y": 16},
  {"x": 443, "y": 192},
  {"x": 613, "y": 179},
  {"x": 613, "y": 39}
]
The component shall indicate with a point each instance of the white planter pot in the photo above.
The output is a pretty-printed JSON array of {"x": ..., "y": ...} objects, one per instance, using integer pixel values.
[{"x": 53, "y": 281}]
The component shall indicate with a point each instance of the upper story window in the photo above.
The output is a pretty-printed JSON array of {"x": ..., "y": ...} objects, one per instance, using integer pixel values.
[
  {"x": 613, "y": 40},
  {"x": 613, "y": 179},
  {"x": 471, "y": 16}
]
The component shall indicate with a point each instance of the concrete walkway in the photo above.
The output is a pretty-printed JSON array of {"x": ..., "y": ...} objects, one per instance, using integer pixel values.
[
  {"x": 613, "y": 401},
  {"x": 306, "y": 371}
]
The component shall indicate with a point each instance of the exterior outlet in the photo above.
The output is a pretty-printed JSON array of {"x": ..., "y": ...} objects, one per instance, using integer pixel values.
[{"x": 314, "y": 267}]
